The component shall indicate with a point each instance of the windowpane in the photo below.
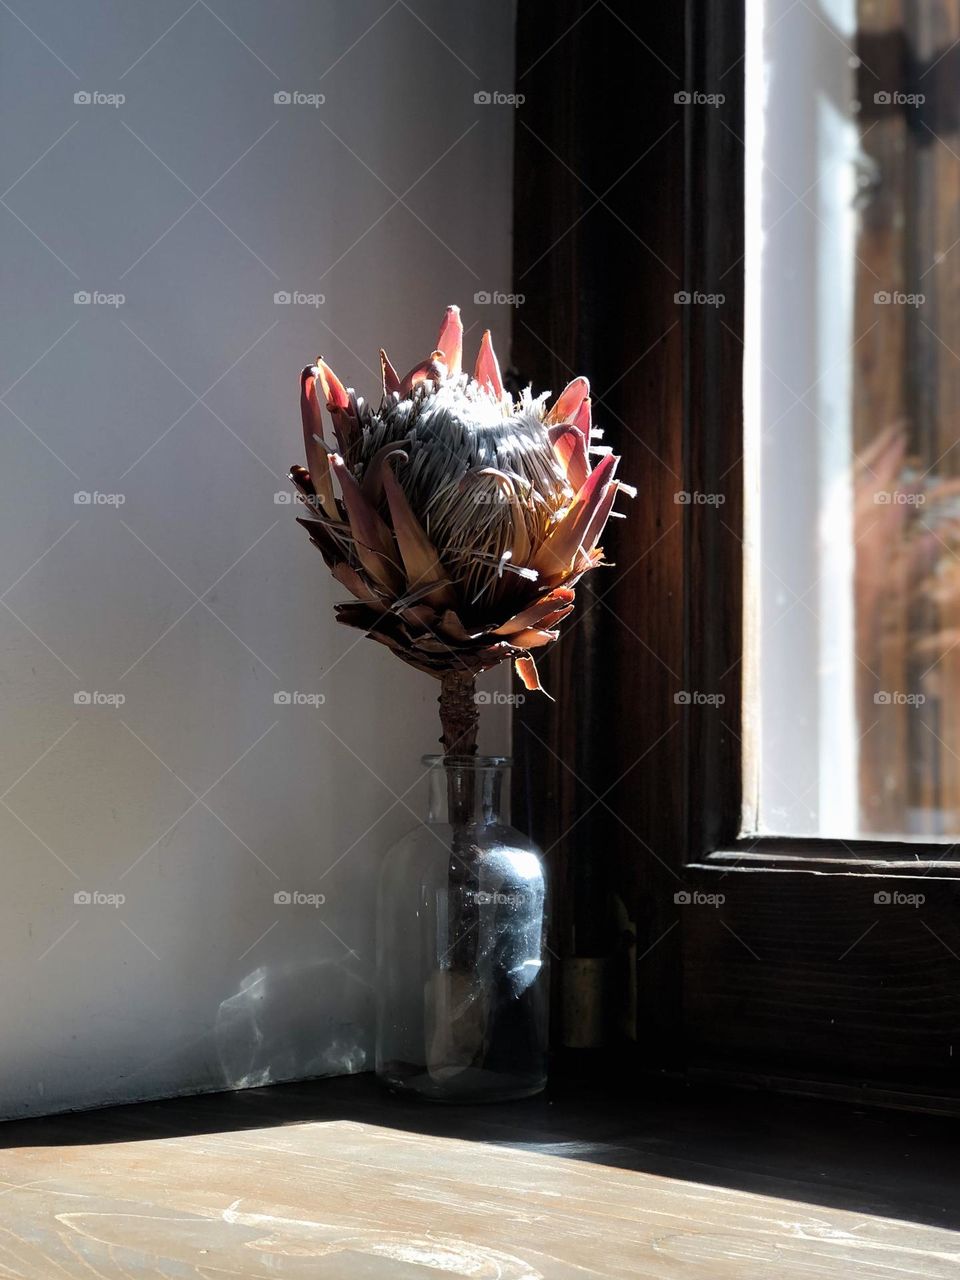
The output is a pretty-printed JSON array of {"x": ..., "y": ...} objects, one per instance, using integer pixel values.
[{"x": 853, "y": 418}]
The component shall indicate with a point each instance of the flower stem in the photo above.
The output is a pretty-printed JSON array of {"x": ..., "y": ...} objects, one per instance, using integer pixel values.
[
  {"x": 459, "y": 716},
  {"x": 459, "y": 1034}
]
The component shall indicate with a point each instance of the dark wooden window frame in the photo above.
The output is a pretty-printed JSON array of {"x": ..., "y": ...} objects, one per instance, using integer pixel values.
[{"x": 800, "y": 979}]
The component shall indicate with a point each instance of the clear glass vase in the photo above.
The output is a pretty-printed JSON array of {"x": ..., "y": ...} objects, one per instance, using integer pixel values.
[{"x": 461, "y": 946}]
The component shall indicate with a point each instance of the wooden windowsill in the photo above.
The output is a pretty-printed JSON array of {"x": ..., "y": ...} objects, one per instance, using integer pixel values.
[
  {"x": 842, "y": 858},
  {"x": 334, "y": 1179}
]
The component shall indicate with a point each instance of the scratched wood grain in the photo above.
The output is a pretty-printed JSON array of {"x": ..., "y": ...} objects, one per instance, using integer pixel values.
[{"x": 343, "y": 1198}]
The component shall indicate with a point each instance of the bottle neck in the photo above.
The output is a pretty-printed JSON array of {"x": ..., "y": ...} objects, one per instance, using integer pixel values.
[{"x": 466, "y": 792}]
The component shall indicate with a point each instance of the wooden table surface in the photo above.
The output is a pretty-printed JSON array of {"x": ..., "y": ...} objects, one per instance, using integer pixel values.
[{"x": 333, "y": 1179}]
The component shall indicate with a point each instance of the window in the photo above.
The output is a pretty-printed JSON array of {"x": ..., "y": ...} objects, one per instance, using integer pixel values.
[
  {"x": 800, "y": 933},
  {"x": 852, "y": 377}
]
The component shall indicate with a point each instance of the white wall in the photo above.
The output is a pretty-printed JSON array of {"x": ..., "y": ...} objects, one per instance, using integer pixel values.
[{"x": 199, "y": 597}]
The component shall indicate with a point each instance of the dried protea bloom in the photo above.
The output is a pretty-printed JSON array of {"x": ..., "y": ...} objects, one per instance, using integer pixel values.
[{"x": 458, "y": 518}]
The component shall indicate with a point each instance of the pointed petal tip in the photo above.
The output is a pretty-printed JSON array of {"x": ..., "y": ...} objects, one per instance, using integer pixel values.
[
  {"x": 569, "y": 401},
  {"x": 582, "y": 419},
  {"x": 313, "y": 442},
  {"x": 334, "y": 392},
  {"x": 526, "y": 669},
  {"x": 450, "y": 341},
  {"x": 389, "y": 375},
  {"x": 487, "y": 371}
]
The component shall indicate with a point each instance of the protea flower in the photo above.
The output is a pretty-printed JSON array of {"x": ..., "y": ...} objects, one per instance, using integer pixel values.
[{"x": 458, "y": 518}]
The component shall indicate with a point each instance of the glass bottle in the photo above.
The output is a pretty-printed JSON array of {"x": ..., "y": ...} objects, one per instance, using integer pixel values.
[{"x": 461, "y": 946}]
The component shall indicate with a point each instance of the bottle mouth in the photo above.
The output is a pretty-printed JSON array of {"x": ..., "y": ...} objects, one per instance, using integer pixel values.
[{"x": 466, "y": 762}]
